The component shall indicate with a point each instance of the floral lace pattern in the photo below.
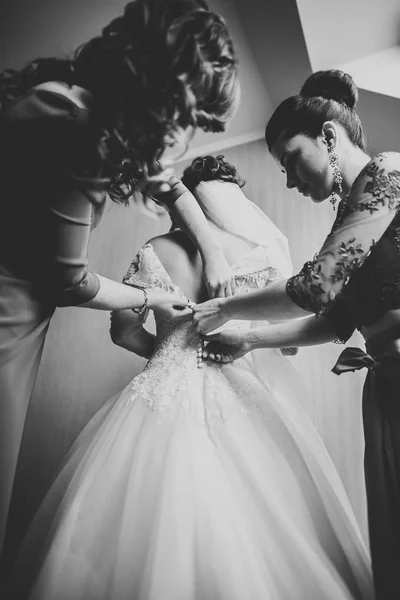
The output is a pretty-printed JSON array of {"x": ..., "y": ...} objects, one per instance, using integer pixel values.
[
  {"x": 171, "y": 379},
  {"x": 396, "y": 238},
  {"x": 373, "y": 290},
  {"x": 362, "y": 220},
  {"x": 147, "y": 271}
]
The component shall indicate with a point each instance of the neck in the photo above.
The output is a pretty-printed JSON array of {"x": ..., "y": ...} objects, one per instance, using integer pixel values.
[{"x": 353, "y": 164}]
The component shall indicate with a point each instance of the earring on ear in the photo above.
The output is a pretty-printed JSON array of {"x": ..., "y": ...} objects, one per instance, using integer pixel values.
[{"x": 337, "y": 175}]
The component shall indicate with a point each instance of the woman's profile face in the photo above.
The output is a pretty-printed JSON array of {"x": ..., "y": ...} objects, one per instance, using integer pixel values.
[{"x": 305, "y": 162}]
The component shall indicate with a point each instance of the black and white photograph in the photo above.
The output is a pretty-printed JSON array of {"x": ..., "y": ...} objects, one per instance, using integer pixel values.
[{"x": 200, "y": 300}]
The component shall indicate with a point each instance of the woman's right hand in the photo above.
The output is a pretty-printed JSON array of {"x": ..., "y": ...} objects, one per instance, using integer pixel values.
[
  {"x": 226, "y": 346},
  {"x": 157, "y": 184},
  {"x": 209, "y": 315},
  {"x": 218, "y": 275},
  {"x": 168, "y": 305}
]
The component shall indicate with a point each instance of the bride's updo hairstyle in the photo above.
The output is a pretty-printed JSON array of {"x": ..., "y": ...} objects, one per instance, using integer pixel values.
[
  {"x": 325, "y": 96},
  {"x": 210, "y": 168},
  {"x": 161, "y": 68}
]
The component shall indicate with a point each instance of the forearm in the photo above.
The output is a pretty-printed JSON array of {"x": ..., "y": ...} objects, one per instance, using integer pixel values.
[
  {"x": 117, "y": 296},
  {"x": 127, "y": 331},
  {"x": 188, "y": 215},
  {"x": 271, "y": 303},
  {"x": 140, "y": 342},
  {"x": 310, "y": 331}
]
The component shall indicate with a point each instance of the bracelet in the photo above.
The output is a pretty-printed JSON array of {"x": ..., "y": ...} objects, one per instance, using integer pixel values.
[{"x": 142, "y": 309}]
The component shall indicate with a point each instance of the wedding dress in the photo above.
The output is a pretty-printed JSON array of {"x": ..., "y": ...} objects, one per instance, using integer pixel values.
[{"x": 197, "y": 484}]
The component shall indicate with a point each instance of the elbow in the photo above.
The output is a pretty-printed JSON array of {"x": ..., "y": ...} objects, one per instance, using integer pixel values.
[
  {"x": 119, "y": 327},
  {"x": 74, "y": 289},
  {"x": 117, "y": 341},
  {"x": 116, "y": 337}
]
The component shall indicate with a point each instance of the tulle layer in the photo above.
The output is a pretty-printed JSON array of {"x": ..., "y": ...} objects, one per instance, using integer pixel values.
[{"x": 200, "y": 485}]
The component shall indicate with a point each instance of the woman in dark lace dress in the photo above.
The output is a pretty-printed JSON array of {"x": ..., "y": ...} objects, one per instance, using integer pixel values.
[
  {"x": 353, "y": 283},
  {"x": 75, "y": 129}
]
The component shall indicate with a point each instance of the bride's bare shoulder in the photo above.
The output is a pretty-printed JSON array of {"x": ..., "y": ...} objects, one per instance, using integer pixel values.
[
  {"x": 173, "y": 243},
  {"x": 176, "y": 252}
]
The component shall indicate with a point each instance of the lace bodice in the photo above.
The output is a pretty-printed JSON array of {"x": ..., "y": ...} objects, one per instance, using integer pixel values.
[
  {"x": 252, "y": 272},
  {"x": 171, "y": 374}
]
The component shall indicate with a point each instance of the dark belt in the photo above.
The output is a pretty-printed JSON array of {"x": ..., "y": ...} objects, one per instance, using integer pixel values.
[{"x": 380, "y": 348}]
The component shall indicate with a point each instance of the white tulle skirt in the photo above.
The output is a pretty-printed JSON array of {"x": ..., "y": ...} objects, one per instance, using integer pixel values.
[{"x": 195, "y": 484}]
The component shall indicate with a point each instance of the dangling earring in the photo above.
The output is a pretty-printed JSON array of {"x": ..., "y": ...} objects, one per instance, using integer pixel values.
[{"x": 337, "y": 175}]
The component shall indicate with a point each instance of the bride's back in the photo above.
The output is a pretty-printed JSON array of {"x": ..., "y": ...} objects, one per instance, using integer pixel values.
[{"x": 182, "y": 261}]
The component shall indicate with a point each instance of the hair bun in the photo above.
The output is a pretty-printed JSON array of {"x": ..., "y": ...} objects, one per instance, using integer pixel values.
[
  {"x": 210, "y": 168},
  {"x": 332, "y": 85}
]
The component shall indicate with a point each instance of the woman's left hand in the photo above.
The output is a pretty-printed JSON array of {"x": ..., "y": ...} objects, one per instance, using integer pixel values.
[
  {"x": 209, "y": 315},
  {"x": 168, "y": 304},
  {"x": 156, "y": 185},
  {"x": 218, "y": 275},
  {"x": 226, "y": 346}
]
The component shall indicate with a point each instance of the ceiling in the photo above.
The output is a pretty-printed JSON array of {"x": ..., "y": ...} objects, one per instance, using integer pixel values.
[{"x": 287, "y": 40}]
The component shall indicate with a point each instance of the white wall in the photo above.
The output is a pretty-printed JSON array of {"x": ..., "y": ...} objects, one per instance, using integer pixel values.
[
  {"x": 273, "y": 27},
  {"x": 377, "y": 72},
  {"x": 339, "y": 31},
  {"x": 380, "y": 116},
  {"x": 249, "y": 122},
  {"x": 33, "y": 28}
]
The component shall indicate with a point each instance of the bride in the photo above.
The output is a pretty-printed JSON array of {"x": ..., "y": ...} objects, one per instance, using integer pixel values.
[{"x": 196, "y": 483}]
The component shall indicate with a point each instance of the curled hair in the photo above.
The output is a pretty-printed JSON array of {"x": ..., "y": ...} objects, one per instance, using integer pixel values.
[
  {"x": 325, "y": 96},
  {"x": 210, "y": 168},
  {"x": 160, "y": 69}
]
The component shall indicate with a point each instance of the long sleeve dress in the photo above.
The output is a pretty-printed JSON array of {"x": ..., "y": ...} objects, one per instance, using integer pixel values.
[
  {"x": 353, "y": 282},
  {"x": 52, "y": 195}
]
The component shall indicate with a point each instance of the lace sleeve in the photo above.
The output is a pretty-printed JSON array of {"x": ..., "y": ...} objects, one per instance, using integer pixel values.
[
  {"x": 143, "y": 273},
  {"x": 361, "y": 222},
  {"x": 146, "y": 271},
  {"x": 342, "y": 316}
]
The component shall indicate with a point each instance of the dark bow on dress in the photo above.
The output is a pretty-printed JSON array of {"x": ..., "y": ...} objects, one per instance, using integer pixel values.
[{"x": 354, "y": 359}]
